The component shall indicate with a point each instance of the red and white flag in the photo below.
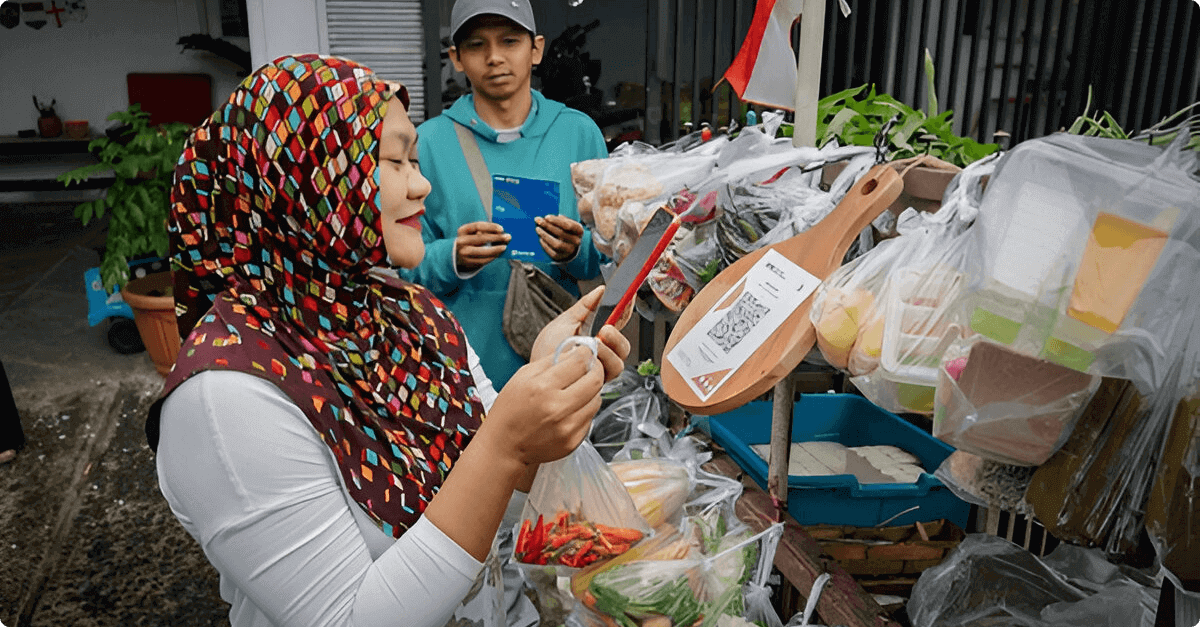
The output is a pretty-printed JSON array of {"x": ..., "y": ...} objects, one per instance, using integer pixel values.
[{"x": 764, "y": 71}]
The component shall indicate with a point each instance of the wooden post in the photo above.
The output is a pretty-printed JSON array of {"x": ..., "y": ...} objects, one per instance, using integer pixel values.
[
  {"x": 781, "y": 441},
  {"x": 808, "y": 72},
  {"x": 804, "y": 133}
]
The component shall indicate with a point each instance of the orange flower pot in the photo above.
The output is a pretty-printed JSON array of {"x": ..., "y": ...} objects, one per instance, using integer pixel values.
[{"x": 153, "y": 306}]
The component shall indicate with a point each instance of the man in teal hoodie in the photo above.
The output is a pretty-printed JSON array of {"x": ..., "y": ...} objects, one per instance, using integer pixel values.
[{"x": 520, "y": 133}]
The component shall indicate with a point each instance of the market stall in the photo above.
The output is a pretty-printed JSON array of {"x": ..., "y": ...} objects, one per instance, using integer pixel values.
[
  {"x": 1038, "y": 317},
  {"x": 1019, "y": 336}
]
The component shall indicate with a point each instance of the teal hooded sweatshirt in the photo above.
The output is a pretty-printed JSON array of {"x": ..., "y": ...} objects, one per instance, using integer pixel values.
[{"x": 553, "y": 137}]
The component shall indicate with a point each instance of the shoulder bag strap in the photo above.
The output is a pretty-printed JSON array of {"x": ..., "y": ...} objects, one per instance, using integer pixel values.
[{"x": 479, "y": 171}]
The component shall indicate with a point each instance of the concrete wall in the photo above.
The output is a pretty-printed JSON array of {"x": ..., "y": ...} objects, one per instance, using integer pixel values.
[
  {"x": 83, "y": 64},
  {"x": 282, "y": 27}
]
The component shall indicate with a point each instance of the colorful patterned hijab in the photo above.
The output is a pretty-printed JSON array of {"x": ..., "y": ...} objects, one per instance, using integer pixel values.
[{"x": 276, "y": 250}]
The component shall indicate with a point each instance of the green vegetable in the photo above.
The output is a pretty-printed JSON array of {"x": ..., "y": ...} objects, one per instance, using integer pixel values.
[
  {"x": 648, "y": 369},
  {"x": 854, "y": 119},
  {"x": 641, "y": 589},
  {"x": 733, "y": 566},
  {"x": 710, "y": 270}
]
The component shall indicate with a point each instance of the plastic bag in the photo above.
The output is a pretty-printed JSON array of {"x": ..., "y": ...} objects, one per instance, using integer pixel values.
[
  {"x": 1097, "y": 489},
  {"x": 694, "y": 576},
  {"x": 579, "y": 489},
  {"x": 888, "y": 316},
  {"x": 844, "y": 307},
  {"x": 987, "y": 580},
  {"x": 664, "y": 475},
  {"x": 659, "y": 487},
  {"x": 1086, "y": 250},
  {"x": 986, "y": 483},
  {"x": 1005, "y": 406},
  {"x": 758, "y": 214},
  {"x": 617, "y": 195},
  {"x": 752, "y": 160},
  {"x": 1173, "y": 504},
  {"x": 634, "y": 405}
]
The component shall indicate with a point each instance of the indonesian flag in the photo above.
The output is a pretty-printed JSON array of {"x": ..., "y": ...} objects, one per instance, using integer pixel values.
[{"x": 764, "y": 71}]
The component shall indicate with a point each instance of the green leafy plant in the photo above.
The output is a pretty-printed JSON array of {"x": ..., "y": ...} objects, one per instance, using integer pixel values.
[
  {"x": 855, "y": 116},
  {"x": 1102, "y": 124},
  {"x": 142, "y": 159}
]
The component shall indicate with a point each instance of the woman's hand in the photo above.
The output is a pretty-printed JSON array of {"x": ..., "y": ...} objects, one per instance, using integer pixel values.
[
  {"x": 545, "y": 409},
  {"x": 614, "y": 347}
]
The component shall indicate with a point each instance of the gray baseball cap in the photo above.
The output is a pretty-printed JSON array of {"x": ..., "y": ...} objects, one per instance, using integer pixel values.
[{"x": 518, "y": 11}]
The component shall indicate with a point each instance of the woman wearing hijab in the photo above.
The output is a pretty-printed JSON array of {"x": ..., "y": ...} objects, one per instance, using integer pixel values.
[{"x": 307, "y": 433}]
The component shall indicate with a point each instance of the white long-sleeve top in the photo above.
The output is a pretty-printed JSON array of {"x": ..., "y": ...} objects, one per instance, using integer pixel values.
[{"x": 246, "y": 474}]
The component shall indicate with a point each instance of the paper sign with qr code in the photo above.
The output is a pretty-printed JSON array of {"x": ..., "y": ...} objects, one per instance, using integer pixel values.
[{"x": 734, "y": 329}]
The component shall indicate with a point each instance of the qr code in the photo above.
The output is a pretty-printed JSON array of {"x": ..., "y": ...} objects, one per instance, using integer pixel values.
[{"x": 738, "y": 321}]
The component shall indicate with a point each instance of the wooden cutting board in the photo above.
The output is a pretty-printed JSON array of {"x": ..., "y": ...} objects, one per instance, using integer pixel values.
[{"x": 818, "y": 250}]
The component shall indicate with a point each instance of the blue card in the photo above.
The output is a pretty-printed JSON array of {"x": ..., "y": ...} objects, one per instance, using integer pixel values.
[{"x": 516, "y": 201}]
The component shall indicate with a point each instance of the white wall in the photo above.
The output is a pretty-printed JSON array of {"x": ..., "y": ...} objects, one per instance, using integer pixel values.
[
  {"x": 282, "y": 27},
  {"x": 83, "y": 64}
]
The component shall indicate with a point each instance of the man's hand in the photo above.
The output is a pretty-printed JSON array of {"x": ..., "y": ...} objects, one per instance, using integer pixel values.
[
  {"x": 560, "y": 236},
  {"x": 478, "y": 244}
]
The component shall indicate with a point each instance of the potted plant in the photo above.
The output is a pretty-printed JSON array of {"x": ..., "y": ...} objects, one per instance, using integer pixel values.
[
  {"x": 142, "y": 158},
  {"x": 49, "y": 124}
]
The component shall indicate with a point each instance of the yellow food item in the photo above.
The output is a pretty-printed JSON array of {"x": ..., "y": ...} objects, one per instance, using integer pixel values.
[
  {"x": 659, "y": 487},
  {"x": 838, "y": 328},
  {"x": 865, "y": 356}
]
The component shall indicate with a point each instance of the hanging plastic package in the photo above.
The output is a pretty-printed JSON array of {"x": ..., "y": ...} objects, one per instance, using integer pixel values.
[
  {"x": 1005, "y": 406},
  {"x": 577, "y": 513},
  {"x": 618, "y": 195},
  {"x": 1084, "y": 251},
  {"x": 664, "y": 475},
  {"x": 1085, "y": 254},
  {"x": 778, "y": 183},
  {"x": 888, "y": 316}
]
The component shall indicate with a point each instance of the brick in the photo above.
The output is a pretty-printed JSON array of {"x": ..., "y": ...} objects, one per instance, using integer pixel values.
[
  {"x": 824, "y": 533},
  {"x": 918, "y": 566},
  {"x": 874, "y": 567},
  {"x": 843, "y": 552},
  {"x": 907, "y": 551}
]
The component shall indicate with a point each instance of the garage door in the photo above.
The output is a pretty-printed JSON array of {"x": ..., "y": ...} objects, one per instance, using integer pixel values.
[{"x": 386, "y": 36}]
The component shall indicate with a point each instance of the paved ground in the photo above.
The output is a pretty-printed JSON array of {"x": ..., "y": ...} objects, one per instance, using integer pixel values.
[{"x": 85, "y": 537}]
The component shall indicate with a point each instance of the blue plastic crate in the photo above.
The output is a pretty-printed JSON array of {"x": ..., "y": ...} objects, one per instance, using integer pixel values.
[{"x": 839, "y": 499}]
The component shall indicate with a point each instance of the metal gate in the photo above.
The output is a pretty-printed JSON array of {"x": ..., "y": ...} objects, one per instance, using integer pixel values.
[{"x": 1021, "y": 66}]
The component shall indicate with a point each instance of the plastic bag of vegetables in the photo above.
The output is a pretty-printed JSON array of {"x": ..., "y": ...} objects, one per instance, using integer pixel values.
[
  {"x": 664, "y": 475},
  {"x": 577, "y": 514},
  {"x": 699, "y": 575},
  {"x": 579, "y": 489},
  {"x": 634, "y": 406}
]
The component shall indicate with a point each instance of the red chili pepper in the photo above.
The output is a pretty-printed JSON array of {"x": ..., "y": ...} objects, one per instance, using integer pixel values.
[
  {"x": 537, "y": 538},
  {"x": 557, "y": 541},
  {"x": 619, "y": 533},
  {"x": 561, "y": 519},
  {"x": 523, "y": 537},
  {"x": 585, "y": 547}
]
